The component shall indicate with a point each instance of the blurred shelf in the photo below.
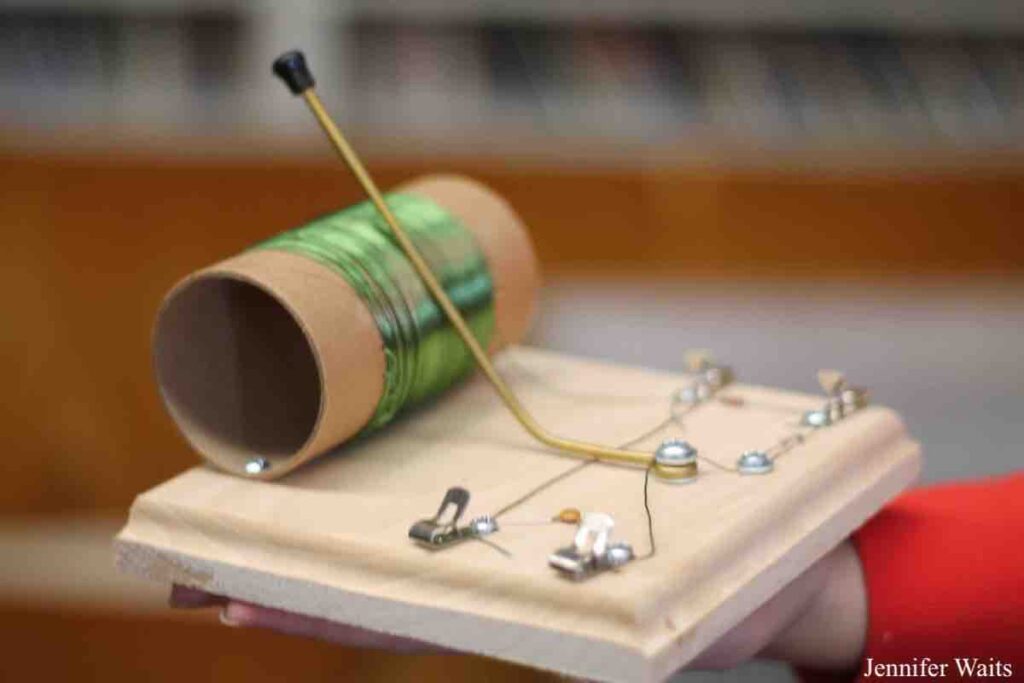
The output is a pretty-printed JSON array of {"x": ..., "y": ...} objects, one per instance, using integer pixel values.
[
  {"x": 990, "y": 15},
  {"x": 492, "y": 78},
  {"x": 983, "y": 15}
]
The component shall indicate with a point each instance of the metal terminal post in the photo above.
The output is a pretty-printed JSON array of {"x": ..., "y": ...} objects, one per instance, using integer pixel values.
[
  {"x": 291, "y": 67},
  {"x": 675, "y": 461},
  {"x": 591, "y": 551},
  {"x": 438, "y": 533},
  {"x": 842, "y": 399},
  {"x": 707, "y": 376},
  {"x": 754, "y": 462},
  {"x": 816, "y": 419}
]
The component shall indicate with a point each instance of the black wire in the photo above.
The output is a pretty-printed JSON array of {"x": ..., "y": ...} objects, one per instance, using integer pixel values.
[
  {"x": 717, "y": 464},
  {"x": 650, "y": 519}
]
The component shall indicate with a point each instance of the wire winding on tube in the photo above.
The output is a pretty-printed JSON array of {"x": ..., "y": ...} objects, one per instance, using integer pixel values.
[
  {"x": 292, "y": 69},
  {"x": 423, "y": 354}
]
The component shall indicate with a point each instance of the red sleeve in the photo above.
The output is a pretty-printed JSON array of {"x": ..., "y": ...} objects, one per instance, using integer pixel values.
[{"x": 944, "y": 569}]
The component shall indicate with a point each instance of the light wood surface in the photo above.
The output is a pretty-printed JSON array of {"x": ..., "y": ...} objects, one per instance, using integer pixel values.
[
  {"x": 67, "y": 614},
  {"x": 330, "y": 539}
]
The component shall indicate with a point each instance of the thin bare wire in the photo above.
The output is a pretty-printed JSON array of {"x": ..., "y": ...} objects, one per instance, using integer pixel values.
[
  {"x": 677, "y": 412},
  {"x": 544, "y": 485}
]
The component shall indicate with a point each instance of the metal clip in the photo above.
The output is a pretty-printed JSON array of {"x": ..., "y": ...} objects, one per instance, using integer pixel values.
[
  {"x": 591, "y": 552},
  {"x": 438, "y": 534}
]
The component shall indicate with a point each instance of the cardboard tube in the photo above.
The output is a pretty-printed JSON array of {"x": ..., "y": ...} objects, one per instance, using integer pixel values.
[{"x": 271, "y": 355}]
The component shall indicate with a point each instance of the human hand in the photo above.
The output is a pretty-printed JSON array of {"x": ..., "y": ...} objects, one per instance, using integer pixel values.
[
  {"x": 817, "y": 621},
  {"x": 247, "y": 615}
]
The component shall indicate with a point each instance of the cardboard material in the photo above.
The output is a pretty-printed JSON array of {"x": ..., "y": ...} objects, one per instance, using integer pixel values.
[
  {"x": 330, "y": 539},
  {"x": 273, "y": 355}
]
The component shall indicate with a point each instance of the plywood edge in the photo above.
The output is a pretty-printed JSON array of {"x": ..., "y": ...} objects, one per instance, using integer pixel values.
[
  {"x": 862, "y": 449},
  {"x": 900, "y": 466},
  {"x": 158, "y": 519},
  {"x": 141, "y": 554},
  {"x": 523, "y": 644}
]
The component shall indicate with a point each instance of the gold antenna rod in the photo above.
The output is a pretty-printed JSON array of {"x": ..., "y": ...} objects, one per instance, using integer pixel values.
[{"x": 292, "y": 69}]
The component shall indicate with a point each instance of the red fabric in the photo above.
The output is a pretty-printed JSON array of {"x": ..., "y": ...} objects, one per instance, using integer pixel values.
[{"x": 944, "y": 568}]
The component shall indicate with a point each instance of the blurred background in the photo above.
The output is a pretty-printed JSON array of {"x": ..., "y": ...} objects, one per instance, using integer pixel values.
[{"x": 794, "y": 184}]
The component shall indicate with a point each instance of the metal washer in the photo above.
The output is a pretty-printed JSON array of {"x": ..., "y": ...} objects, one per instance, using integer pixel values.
[
  {"x": 675, "y": 454},
  {"x": 755, "y": 462}
]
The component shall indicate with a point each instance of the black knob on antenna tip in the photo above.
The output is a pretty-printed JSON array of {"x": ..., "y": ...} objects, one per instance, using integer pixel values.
[{"x": 292, "y": 69}]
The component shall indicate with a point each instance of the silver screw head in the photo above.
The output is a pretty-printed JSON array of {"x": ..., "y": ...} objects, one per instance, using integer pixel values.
[
  {"x": 257, "y": 465},
  {"x": 483, "y": 526},
  {"x": 755, "y": 462},
  {"x": 816, "y": 418},
  {"x": 675, "y": 452},
  {"x": 618, "y": 554},
  {"x": 690, "y": 394}
]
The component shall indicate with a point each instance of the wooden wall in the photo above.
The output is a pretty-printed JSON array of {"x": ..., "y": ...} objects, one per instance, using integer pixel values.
[{"x": 91, "y": 244}]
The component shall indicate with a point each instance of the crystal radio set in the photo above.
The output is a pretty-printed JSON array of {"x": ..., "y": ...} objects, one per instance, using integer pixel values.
[{"x": 377, "y": 448}]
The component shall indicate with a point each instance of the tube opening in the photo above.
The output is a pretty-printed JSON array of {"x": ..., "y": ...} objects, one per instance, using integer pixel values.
[{"x": 237, "y": 372}]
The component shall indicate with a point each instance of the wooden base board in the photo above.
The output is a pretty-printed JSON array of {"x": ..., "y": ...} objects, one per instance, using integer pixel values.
[{"x": 330, "y": 540}]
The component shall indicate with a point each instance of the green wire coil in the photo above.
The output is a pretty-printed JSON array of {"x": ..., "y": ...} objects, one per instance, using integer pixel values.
[{"x": 424, "y": 355}]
